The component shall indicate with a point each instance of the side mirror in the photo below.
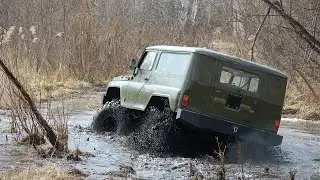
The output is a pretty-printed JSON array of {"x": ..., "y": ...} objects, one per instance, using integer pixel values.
[{"x": 133, "y": 64}]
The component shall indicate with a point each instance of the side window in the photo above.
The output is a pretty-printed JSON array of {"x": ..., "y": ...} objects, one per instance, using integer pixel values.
[
  {"x": 173, "y": 63},
  {"x": 240, "y": 79},
  {"x": 148, "y": 61}
]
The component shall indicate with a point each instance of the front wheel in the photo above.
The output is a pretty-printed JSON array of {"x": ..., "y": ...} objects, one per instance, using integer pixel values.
[
  {"x": 105, "y": 119},
  {"x": 111, "y": 117}
]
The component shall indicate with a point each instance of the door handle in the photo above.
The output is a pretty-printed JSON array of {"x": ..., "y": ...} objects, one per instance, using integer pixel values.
[{"x": 146, "y": 79}]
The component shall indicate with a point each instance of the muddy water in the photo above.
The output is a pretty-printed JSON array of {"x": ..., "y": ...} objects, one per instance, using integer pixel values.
[
  {"x": 299, "y": 151},
  {"x": 13, "y": 156}
]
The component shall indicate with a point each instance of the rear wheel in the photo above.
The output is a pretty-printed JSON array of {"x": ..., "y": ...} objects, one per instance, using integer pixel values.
[
  {"x": 159, "y": 134},
  {"x": 154, "y": 132}
]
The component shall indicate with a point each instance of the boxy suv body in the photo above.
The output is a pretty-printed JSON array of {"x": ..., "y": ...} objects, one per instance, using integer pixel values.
[{"x": 207, "y": 91}]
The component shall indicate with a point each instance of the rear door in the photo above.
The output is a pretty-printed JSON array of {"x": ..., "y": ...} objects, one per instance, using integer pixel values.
[
  {"x": 144, "y": 71},
  {"x": 235, "y": 94}
]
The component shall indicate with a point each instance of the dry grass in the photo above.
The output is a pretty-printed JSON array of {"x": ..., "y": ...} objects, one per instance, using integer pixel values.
[
  {"x": 50, "y": 171},
  {"x": 80, "y": 46}
]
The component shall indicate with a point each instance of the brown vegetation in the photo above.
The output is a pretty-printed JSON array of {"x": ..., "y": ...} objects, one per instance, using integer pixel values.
[
  {"x": 50, "y": 171},
  {"x": 51, "y": 46},
  {"x": 86, "y": 40},
  {"x": 48, "y": 44}
]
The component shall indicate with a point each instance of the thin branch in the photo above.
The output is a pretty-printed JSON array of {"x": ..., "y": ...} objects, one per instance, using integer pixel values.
[{"x": 258, "y": 32}]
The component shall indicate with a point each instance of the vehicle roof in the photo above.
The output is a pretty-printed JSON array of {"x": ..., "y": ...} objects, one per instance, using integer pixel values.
[{"x": 221, "y": 56}]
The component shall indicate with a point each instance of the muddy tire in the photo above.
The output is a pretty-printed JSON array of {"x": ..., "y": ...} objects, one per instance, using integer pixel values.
[
  {"x": 111, "y": 117},
  {"x": 105, "y": 118},
  {"x": 158, "y": 134},
  {"x": 125, "y": 121},
  {"x": 154, "y": 132}
]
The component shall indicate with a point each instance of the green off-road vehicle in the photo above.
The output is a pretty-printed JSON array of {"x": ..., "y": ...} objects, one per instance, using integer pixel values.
[{"x": 205, "y": 90}]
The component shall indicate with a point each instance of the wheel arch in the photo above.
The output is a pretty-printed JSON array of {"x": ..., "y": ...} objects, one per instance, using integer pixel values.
[
  {"x": 161, "y": 101},
  {"x": 158, "y": 102},
  {"x": 112, "y": 93}
]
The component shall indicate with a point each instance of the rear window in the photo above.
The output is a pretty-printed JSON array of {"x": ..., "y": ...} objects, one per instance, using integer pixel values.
[
  {"x": 203, "y": 69},
  {"x": 173, "y": 63},
  {"x": 237, "y": 78}
]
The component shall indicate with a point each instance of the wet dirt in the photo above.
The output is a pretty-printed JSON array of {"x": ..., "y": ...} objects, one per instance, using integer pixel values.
[{"x": 299, "y": 151}]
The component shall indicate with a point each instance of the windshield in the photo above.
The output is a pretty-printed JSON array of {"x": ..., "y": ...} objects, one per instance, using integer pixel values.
[
  {"x": 174, "y": 63},
  {"x": 242, "y": 80}
]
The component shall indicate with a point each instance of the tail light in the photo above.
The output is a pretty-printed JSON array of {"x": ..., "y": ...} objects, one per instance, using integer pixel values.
[
  {"x": 276, "y": 126},
  {"x": 185, "y": 101}
]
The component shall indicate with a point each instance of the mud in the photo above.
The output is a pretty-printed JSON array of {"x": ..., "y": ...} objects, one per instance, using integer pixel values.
[
  {"x": 113, "y": 156},
  {"x": 155, "y": 133}
]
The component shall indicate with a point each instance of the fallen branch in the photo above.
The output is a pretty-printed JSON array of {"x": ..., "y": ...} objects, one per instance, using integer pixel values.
[{"x": 50, "y": 134}]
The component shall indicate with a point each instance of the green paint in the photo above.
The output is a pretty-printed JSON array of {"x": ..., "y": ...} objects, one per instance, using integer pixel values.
[{"x": 176, "y": 71}]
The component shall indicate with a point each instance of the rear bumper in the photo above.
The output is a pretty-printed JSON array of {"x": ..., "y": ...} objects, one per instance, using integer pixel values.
[{"x": 226, "y": 127}]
